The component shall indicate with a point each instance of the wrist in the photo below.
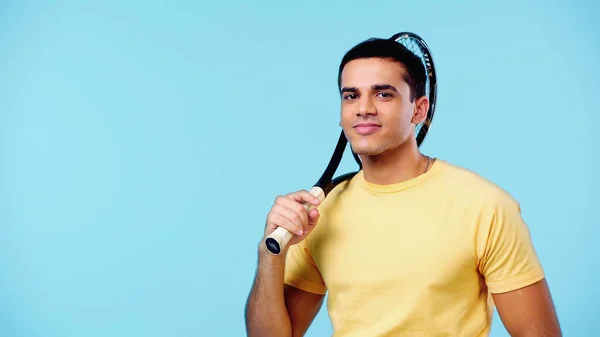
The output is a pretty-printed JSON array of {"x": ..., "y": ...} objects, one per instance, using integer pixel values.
[{"x": 268, "y": 259}]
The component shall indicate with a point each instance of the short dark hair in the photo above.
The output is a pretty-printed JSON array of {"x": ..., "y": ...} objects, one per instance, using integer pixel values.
[{"x": 391, "y": 50}]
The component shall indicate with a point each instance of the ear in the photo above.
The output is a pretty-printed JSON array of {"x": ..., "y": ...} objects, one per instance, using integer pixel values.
[{"x": 420, "y": 111}]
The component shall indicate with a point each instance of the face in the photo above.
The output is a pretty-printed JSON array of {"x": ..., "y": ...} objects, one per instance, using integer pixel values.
[{"x": 376, "y": 112}]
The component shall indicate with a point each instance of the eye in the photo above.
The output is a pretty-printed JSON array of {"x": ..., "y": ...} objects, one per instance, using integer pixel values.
[
  {"x": 350, "y": 96},
  {"x": 385, "y": 94}
]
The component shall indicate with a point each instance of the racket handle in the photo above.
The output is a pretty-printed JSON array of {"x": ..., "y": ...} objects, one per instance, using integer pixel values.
[{"x": 280, "y": 237}]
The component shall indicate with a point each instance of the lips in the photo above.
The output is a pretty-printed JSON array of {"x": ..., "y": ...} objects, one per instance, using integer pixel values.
[{"x": 366, "y": 128}]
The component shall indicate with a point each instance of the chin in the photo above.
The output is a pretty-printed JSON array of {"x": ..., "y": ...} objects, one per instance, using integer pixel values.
[
  {"x": 368, "y": 150},
  {"x": 364, "y": 147},
  {"x": 373, "y": 147}
]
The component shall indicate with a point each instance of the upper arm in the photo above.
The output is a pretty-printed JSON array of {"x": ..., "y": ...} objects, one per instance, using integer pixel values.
[
  {"x": 528, "y": 311},
  {"x": 302, "y": 308},
  {"x": 506, "y": 256},
  {"x": 304, "y": 287},
  {"x": 513, "y": 272}
]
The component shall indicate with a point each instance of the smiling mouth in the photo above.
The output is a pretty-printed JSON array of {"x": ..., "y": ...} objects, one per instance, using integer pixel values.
[{"x": 366, "y": 128}]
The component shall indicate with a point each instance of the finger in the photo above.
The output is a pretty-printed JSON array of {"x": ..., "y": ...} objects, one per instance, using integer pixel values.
[
  {"x": 304, "y": 196},
  {"x": 297, "y": 209},
  {"x": 276, "y": 219},
  {"x": 313, "y": 217},
  {"x": 297, "y": 216}
]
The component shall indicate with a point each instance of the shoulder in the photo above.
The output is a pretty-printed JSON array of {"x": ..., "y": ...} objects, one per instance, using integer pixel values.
[
  {"x": 489, "y": 211},
  {"x": 472, "y": 188},
  {"x": 341, "y": 192}
]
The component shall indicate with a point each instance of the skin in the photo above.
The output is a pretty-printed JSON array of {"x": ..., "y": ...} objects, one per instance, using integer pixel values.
[
  {"x": 273, "y": 308},
  {"x": 528, "y": 312},
  {"x": 373, "y": 91}
]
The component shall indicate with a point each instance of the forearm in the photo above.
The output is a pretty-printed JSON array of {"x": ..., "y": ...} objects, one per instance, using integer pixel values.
[
  {"x": 528, "y": 311},
  {"x": 266, "y": 313},
  {"x": 538, "y": 333},
  {"x": 542, "y": 328}
]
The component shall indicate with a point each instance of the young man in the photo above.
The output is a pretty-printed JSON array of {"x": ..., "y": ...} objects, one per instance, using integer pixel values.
[{"x": 411, "y": 246}]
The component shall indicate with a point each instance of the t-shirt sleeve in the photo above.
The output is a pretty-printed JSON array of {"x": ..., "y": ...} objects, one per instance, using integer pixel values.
[
  {"x": 301, "y": 271},
  {"x": 506, "y": 255}
]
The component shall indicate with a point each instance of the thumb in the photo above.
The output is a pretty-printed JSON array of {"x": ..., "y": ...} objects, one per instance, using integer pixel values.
[{"x": 313, "y": 217}]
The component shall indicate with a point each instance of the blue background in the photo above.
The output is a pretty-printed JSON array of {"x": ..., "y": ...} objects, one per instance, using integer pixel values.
[{"x": 142, "y": 144}]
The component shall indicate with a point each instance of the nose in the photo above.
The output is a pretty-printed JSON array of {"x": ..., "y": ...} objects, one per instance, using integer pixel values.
[{"x": 366, "y": 106}]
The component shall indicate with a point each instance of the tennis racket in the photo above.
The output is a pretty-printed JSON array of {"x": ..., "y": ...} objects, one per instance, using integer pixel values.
[{"x": 279, "y": 239}]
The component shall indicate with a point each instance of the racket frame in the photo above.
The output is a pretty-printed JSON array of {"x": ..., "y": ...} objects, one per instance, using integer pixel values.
[{"x": 279, "y": 239}]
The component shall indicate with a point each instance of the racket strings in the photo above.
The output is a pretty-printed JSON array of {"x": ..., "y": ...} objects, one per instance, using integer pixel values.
[{"x": 416, "y": 49}]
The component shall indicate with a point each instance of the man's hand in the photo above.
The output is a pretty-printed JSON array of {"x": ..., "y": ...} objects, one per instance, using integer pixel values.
[
  {"x": 289, "y": 212},
  {"x": 266, "y": 311}
]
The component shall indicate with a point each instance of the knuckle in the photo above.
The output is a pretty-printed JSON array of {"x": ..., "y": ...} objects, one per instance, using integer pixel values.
[
  {"x": 276, "y": 219},
  {"x": 297, "y": 218},
  {"x": 296, "y": 193},
  {"x": 273, "y": 211},
  {"x": 300, "y": 208},
  {"x": 290, "y": 226},
  {"x": 302, "y": 214}
]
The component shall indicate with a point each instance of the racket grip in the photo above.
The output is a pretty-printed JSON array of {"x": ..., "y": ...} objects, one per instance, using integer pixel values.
[{"x": 279, "y": 239}]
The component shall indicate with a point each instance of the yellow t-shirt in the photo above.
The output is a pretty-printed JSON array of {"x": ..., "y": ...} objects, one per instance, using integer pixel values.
[{"x": 417, "y": 258}]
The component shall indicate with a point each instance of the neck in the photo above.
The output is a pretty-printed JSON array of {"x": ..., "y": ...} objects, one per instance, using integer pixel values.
[{"x": 396, "y": 165}]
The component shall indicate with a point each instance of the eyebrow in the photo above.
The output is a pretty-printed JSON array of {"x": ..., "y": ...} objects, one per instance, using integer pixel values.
[
  {"x": 384, "y": 87},
  {"x": 373, "y": 87}
]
